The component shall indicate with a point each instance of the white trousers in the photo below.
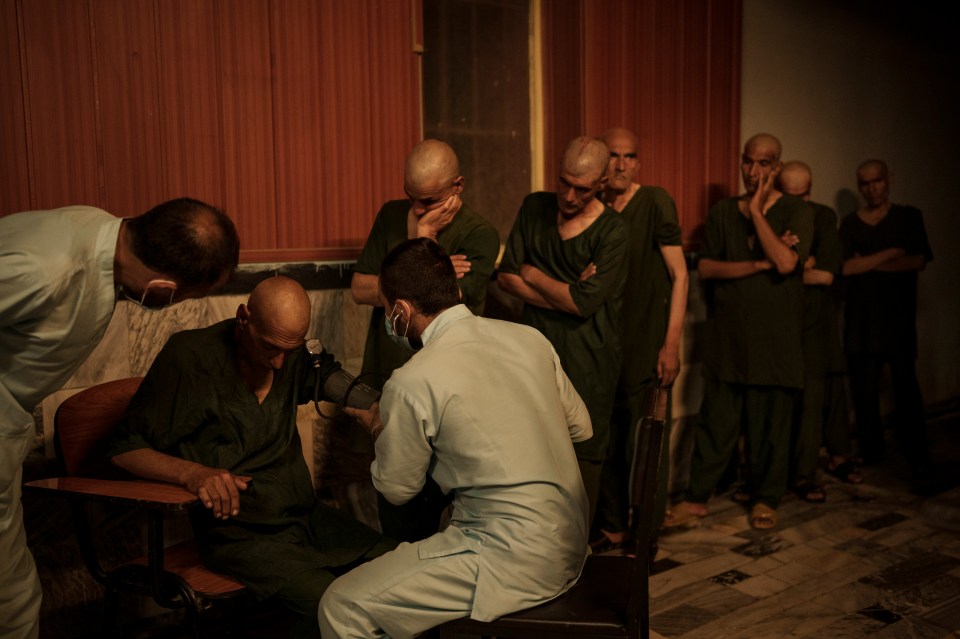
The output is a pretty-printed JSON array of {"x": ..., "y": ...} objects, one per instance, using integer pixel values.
[
  {"x": 19, "y": 584},
  {"x": 399, "y": 595}
]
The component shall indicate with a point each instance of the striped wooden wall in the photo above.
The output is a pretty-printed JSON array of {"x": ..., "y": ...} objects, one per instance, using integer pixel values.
[
  {"x": 669, "y": 71},
  {"x": 293, "y": 115}
]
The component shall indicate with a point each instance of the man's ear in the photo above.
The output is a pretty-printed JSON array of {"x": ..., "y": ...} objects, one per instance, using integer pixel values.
[
  {"x": 458, "y": 185},
  {"x": 243, "y": 314}
]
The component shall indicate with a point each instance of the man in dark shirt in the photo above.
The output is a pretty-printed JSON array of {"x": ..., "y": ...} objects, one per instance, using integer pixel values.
[
  {"x": 566, "y": 260},
  {"x": 753, "y": 361},
  {"x": 884, "y": 248},
  {"x": 217, "y": 414}
]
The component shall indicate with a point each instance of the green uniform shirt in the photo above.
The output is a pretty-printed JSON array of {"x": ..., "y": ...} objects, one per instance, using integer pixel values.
[
  {"x": 651, "y": 218},
  {"x": 822, "y": 350},
  {"x": 468, "y": 234},
  {"x": 754, "y": 326},
  {"x": 880, "y": 312},
  {"x": 192, "y": 404},
  {"x": 588, "y": 346}
]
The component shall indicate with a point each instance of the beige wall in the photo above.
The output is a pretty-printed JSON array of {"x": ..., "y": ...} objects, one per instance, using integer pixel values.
[{"x": 838, "y": 86}]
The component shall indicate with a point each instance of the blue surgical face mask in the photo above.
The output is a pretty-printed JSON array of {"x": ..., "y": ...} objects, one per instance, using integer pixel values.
[{"x": 390, "y": 322}]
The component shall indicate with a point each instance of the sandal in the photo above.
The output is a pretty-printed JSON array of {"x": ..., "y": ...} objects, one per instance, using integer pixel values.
[
  {"x": 683, "y": 515},
  {"x": 741, "y": 495},
  {"x": 846, "y": 472},
  {"x": 763, "y": 517},
  {"x": 809, "y": 491}
]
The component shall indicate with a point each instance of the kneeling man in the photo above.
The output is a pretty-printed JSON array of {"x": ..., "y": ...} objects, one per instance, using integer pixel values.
[{"x": 486, "y": 410}]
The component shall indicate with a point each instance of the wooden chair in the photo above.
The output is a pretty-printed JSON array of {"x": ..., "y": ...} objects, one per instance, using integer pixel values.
[
  {"x": 611, "y": 597},
  {"x": 174, "y": 577}
]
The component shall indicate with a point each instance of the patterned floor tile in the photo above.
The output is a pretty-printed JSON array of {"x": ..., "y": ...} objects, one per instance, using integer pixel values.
[
  {"x": 876, "y": 523},
  {"x": 729, "y": 578},
  {"x": 912, "y": 572},
  {"x": 680, "y": 620}
]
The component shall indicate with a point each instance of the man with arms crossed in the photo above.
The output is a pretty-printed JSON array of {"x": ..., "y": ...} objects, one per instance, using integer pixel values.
[
  {"x": 486, "y": 409},
  {"x": 885, "y": 247},
  {"x": 566, "y": 260},
  {"x": 822, "y": 411}
]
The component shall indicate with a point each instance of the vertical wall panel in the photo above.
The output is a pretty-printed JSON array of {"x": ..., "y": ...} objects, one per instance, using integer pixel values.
[
  {"x": 564, "y": 85},
  {"x": 190, "y": 100},
  {"x": 60, "y": 89},
  {"x": 126, "y": 45},
  {"x": 248, "y": 119},
  {"x": 667, "y": 71},
  {"x": 14, "y": 177}
]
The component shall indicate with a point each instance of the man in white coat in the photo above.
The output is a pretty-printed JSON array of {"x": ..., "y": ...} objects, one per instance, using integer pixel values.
[{"x": 486, "y": 410}]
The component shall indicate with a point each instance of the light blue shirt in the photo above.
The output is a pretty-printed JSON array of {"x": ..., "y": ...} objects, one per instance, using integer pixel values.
[
  {"x": 56, "y": 298},
  {"x": 487, "y": 410}
]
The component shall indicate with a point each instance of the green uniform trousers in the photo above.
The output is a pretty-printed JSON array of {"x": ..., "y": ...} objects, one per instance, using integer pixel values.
[
  {"x": 821, "y": 421},
  {"x": 764, "y": 415}
]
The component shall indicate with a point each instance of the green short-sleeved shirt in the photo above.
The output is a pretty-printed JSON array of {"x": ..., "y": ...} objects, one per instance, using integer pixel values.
[
  {"x": 754, "y": 326},
  {"x": 880, "y": 312},
  {"x": 652, "y": 222},
  {"x": 468, "y": 234},
  {"x": 822, "y": 350},
  {"x": 192, "y": 404},
  {"x": 588, "y": 346}
]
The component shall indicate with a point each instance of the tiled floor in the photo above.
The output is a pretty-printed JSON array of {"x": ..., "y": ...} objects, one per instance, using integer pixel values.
[{"x": 874, "y": 560}]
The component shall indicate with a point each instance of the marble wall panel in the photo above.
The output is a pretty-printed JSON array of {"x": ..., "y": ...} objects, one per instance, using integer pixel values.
[
  {"x": 110, "y": 359},
  {"x": 149, "y": 330}
]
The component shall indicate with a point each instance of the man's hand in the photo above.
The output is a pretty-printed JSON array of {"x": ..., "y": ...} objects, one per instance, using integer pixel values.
[
  {"x": 588, "y": 272},
  {"x": 439, "y": 217},
  {"x": 810, "y": 263},
  {"x": 460, "y": 265},
  {"x": 668, "y": 366},
  {"x": 369, "y": 418},
  {"x": 789, "y": 238},
  {"x": 218, "y": 489},
  {"x": 765, "y": 188}
]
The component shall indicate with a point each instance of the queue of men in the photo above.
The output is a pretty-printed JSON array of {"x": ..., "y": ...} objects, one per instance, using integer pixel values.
[{"x": 518, "y": 436}]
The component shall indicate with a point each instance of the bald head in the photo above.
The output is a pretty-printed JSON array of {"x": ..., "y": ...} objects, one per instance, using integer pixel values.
[
  {"x": 431, "y": 162},
  {"x": 764, "y": 141},
  {"x": 873, "y": 181},
  {"x": 585, "y": 158},
  {"x": 280, "y": 305},
  {"x": 796, "y": 179}
]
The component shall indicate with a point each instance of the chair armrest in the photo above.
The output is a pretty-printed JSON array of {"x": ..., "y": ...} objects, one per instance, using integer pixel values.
[{"x": 147, "y": 494}]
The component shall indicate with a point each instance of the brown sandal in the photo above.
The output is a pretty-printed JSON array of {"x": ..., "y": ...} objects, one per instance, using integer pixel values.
[
  {"x": 682, "y": 514},
  {"x": 763, "y": 517}
]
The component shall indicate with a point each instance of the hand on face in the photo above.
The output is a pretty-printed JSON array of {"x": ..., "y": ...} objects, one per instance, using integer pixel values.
[
  {"x": 766, "y": 187},
  {"x": 438, "y": 216}
]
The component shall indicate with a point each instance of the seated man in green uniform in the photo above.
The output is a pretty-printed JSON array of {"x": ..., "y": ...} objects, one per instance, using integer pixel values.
[
  {"x": 434, "y": 210},
  {"x": 752, "y": 361},
  {"x": 654, "y": 304},
  {"x": 217, "y": 414},
  {"x": 822, "y": 410},
  {"x": 566, "y": 260}
]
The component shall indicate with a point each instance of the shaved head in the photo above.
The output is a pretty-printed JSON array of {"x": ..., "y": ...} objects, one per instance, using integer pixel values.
[
  {"x": 280, "y": 305},
  {"x": 796, "y": 179},
  {"x": 431, "y": 162},
  {"x": 585, "y": 158},
  {"x": 879, "y": 165},
  {"x": 764, "y": 141},
  {"x": 619, "y": 135}
]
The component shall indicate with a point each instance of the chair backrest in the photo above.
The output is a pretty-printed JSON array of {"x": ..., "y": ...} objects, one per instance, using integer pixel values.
[
  {"x": 644, "y": 475},
  {"x": 84, "y": 420}
]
